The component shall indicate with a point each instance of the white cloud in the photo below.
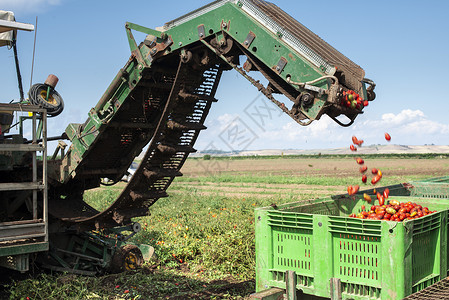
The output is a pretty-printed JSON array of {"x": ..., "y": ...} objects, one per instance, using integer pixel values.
[
  {"x": 226, "y": 120},
  {"x": 404, "y": 117},
  {"x": 412, "y": 123},
  {"x": 27, "y": 6},
  {"x": 408, "y": 127}
]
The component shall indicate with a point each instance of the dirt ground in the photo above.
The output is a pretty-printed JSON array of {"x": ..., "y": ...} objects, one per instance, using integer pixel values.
[
  {"x": 318, "y": 166},
  {"x": 398, "y": 170}
]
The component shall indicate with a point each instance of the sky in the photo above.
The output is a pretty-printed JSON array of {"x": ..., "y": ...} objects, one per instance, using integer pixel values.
[{"x": 401, "y": 45}]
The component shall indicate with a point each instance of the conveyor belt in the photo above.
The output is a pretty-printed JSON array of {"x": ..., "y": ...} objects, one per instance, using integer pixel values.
[
  {"x": 163, "y": 101},
  {"x": 318, "y": 46},
  {"x": 174, "y": 126}
]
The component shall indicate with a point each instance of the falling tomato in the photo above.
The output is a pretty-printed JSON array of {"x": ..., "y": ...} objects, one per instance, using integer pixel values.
[
  {"x": 364, "y": 178},
  {"x": 374, "y": 171},
  {"x": 386, "y": 193},
  {"x": 367, "y": 197},
  {"x": 381, "y": 199},
  {"x": 353, "y": 148},
  {"x": 375, "y": 179},
  {"x": 360, "y": 161},
  {"x": 355, "y": 141},
  {"x": 349, "y": 190},
  {"x": 363, "y": 169},
  {"x": 387, "y": 136}
]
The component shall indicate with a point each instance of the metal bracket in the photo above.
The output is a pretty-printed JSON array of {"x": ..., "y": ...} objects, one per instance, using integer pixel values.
[
  {"x": 290, "y": 282},
  {"x": 313, "y": 88},
  {"x": 281, "y": 65},
  {"x": 161, "y": 46},
  {"x": 201, "y": 31},
  {"x": 132, "y": 42},
  {"x": 335, "y": 288},
  {"x": 224, "y": 25},
  {"x": 249, "y": 39}
]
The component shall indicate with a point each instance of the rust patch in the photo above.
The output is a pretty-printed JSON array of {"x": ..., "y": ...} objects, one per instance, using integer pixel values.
[{"x": 291, "y": 57}]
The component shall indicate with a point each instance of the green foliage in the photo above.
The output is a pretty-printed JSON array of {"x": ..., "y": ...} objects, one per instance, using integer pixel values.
[
  {"x": 206, "y": 157},
  {"x": 200, "y": 228},
  {"x": 268, "y": 179},
  {"x": 159, "y": 283},
  {"x": 102, "y": 198},
  {"x": 209, "y": 232}
]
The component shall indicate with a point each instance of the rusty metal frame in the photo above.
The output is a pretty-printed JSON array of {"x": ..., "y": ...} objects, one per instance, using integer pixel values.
[{"x": 37, "y": 227}]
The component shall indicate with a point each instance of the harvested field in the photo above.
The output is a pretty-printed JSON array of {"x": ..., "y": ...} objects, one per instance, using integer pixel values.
[
  {"x": 280, "y": 177},
  {"x": 203, "y": 233},
  {"x": 316, "y": 166}
]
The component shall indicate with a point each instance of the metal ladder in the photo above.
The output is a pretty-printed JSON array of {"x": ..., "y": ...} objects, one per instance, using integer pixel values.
[{"x": 18, "y": 238}]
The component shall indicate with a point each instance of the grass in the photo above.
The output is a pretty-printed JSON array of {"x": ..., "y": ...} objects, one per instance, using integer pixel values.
[
  {"x": 203, "y": 238},
  {"x": 268, "y": 179},
  {"x": 143, "y": 284}
]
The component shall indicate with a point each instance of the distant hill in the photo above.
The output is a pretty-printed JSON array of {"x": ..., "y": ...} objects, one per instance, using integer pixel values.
[{"x": 371, "y": 149}]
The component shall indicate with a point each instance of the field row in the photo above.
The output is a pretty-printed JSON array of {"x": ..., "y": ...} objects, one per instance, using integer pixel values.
[{"x": 203, "y": 233}]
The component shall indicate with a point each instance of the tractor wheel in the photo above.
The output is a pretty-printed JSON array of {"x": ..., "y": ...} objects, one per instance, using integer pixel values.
[{"x": 126, "y": 258}]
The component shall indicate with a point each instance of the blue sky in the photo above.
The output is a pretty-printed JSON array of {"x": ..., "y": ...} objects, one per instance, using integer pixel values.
[{"x": 401, "y": 45}]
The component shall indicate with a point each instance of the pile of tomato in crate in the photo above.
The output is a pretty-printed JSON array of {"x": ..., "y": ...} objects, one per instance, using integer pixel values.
[{"x": 393, "y": 210}]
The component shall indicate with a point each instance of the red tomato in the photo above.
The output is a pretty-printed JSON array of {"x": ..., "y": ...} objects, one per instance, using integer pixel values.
[
  {"x": 381, "y": 199},
  {"x": 359, "y": 143},
  {"x": 365, "y": 103},
  {"x": 355, "y": 189},
  {"x": 367, "y": 198},
  {"x": 364, "y": 178},
  {"x": 374, "y": 171},
  {"x": 360, "y": 161},
  {"x": 380, "y": 210},
  {"x": 352, "y": 148},
  {"x": 387, "y": 137},
  {"x": 386, "y": 193},
  {"x": 363, "y": 169},
  {"x": 375, "y": 179},
  {"x": 355, "y": 141},
  {"x": 362, "y": 207}
]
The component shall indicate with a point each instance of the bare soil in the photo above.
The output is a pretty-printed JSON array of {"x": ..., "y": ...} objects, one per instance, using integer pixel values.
[
  {"x": 402, "y": 170},
  {"x": 317, "y": 166}
]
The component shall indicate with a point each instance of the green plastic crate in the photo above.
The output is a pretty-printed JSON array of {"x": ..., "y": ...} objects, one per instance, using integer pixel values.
[{"x": 373, "y": 259}]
